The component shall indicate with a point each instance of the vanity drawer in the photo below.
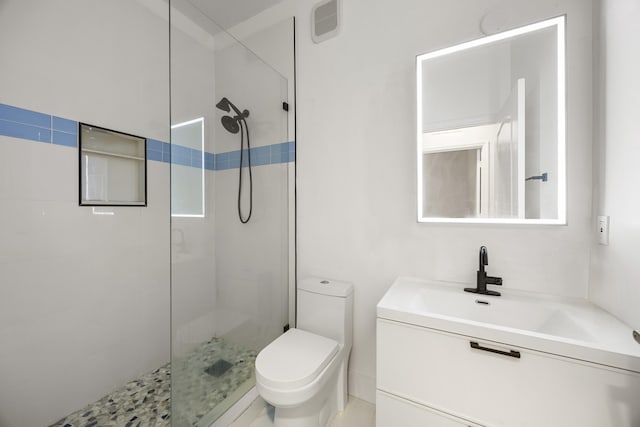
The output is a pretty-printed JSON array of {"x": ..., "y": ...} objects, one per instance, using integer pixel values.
[
  {"x": 442, "y": 370},
  {"x": 392, "y": 411}
]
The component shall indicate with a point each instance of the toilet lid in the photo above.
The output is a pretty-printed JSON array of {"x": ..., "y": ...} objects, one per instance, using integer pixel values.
[{"x": 294, "y": 359}]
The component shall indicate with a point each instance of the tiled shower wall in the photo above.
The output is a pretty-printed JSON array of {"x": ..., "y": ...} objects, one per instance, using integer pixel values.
[
  {"x": 85, "y": 303},
  {"x": 30, "y": 125}
]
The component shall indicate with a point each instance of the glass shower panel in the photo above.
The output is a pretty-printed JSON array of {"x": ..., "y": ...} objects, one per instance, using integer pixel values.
[{"x": 229, "y": 282}]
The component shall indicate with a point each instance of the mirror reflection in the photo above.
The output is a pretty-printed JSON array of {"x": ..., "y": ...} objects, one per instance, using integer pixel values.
[{"x": 491, "y": 131}]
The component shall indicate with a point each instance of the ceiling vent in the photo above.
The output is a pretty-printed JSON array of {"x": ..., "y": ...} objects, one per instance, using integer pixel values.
[{"x": 325, "y": 20}]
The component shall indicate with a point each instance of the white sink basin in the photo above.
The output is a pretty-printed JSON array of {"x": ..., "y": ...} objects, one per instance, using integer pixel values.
[
  {"x": 511, "y": 311},
  {"x": 569, "y": 327}
]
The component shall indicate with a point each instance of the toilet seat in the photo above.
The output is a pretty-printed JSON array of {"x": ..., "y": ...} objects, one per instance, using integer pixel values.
[{"x": 294, "y": 359}]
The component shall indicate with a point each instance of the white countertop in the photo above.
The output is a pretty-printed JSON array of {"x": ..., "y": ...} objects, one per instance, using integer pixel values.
[{"x": 574, "y": 328}]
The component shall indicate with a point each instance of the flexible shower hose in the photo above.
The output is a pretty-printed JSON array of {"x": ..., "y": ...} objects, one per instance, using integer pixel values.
[{"x": 244, "y": 128}]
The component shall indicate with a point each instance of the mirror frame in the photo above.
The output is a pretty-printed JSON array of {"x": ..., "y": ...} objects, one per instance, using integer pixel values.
[{"x": 560, "y": 23}]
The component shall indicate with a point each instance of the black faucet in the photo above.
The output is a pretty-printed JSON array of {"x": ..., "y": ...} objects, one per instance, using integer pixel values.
[{"x": 484, "y": 280}]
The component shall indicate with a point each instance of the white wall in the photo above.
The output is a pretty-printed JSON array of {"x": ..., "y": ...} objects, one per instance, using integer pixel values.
[
  {"x": 615, "y": 275},
  {"x": 356, "y": 174},
  {"x": 85, "y": 298}
]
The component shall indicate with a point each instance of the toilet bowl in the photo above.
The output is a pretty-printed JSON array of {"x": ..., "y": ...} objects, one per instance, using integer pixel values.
[{"x": 303, "y": 373}]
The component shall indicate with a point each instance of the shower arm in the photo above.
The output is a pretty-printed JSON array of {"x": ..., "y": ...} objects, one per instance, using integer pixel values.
[
  {"x": 225, "y": 105},
  {"x": 240, "y": 115}
]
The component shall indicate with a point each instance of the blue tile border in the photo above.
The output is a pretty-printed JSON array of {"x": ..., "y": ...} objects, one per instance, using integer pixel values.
[
  {"x": 63, "y": 138},
  {"x": 26, "y": 117},
  {"x": 209, "y": 161},
  {"x": 283, "y": 152},
  {"x": 23, "y": 131},
  {"x": 180, "y": 155},
  {"x": 197, "y": 158},
  {"x": 65, "y": 125},
  {"x": 155, "y": 145},
  {"x": 154, "y": 150},
  {"x": 35, "y": 126},
  {"x": 154, "y": 155}
]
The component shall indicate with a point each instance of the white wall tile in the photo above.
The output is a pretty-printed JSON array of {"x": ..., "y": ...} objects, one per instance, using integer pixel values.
[
  {"x": 85, "y": 304},
  {"x": 251, "y": 259},
  {"x": 86, "y": 300}
]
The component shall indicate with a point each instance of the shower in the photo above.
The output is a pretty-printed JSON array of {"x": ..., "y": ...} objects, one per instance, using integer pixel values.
[
  {"x": 235, "y": 124},
  {"x": 220, "y": 318}
]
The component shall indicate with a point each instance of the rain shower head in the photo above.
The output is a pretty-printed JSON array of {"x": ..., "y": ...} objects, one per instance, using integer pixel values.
[{"x": 231, "y": 124}]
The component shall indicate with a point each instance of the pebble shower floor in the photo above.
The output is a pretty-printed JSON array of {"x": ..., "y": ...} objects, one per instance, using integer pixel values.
[{"x": 146, "y": 401}]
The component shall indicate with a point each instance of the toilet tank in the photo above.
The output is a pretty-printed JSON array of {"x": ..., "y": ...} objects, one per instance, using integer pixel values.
[{"x": 325, "y": 307}]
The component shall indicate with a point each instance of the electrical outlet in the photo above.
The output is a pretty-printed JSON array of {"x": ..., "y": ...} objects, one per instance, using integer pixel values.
[{"x": 603, "y": 229}]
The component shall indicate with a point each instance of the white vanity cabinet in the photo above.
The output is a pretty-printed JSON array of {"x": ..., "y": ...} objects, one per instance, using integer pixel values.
[
  {"x": 395, "y": 411},
  {"x": 427, "y": 377}
]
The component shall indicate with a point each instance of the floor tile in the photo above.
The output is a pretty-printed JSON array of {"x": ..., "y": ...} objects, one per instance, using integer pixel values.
[{"x": 357, "y": 413}]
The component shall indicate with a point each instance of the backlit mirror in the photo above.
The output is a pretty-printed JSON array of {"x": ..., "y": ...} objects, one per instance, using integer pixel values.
[{"x": 491, "y": 128}]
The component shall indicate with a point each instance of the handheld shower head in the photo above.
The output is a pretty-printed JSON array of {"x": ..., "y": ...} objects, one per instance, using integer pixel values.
[
  {"x": 224, "y": 104},
  {"x": 235, "y": 124}
]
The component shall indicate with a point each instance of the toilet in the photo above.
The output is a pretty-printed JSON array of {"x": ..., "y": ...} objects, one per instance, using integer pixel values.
[{"x": 303, "y": 373}]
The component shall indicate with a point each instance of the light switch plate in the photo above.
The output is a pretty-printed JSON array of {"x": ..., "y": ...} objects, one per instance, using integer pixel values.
[{"x": 603, "y": 229}]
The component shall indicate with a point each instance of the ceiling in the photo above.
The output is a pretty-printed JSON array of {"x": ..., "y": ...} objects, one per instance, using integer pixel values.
[{"x": 227, "y": 13}]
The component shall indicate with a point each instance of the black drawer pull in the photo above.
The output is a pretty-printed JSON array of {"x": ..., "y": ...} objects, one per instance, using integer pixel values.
[{"x": 510, "y": 353}]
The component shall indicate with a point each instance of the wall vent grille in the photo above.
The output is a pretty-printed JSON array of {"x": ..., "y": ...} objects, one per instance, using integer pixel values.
[{"x": 325, "y": 20}]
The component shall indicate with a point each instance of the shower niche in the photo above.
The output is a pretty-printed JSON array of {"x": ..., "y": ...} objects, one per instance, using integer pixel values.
[
  {"x": 491, "y": 128},
  {"x": 113, "y": 168}
]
